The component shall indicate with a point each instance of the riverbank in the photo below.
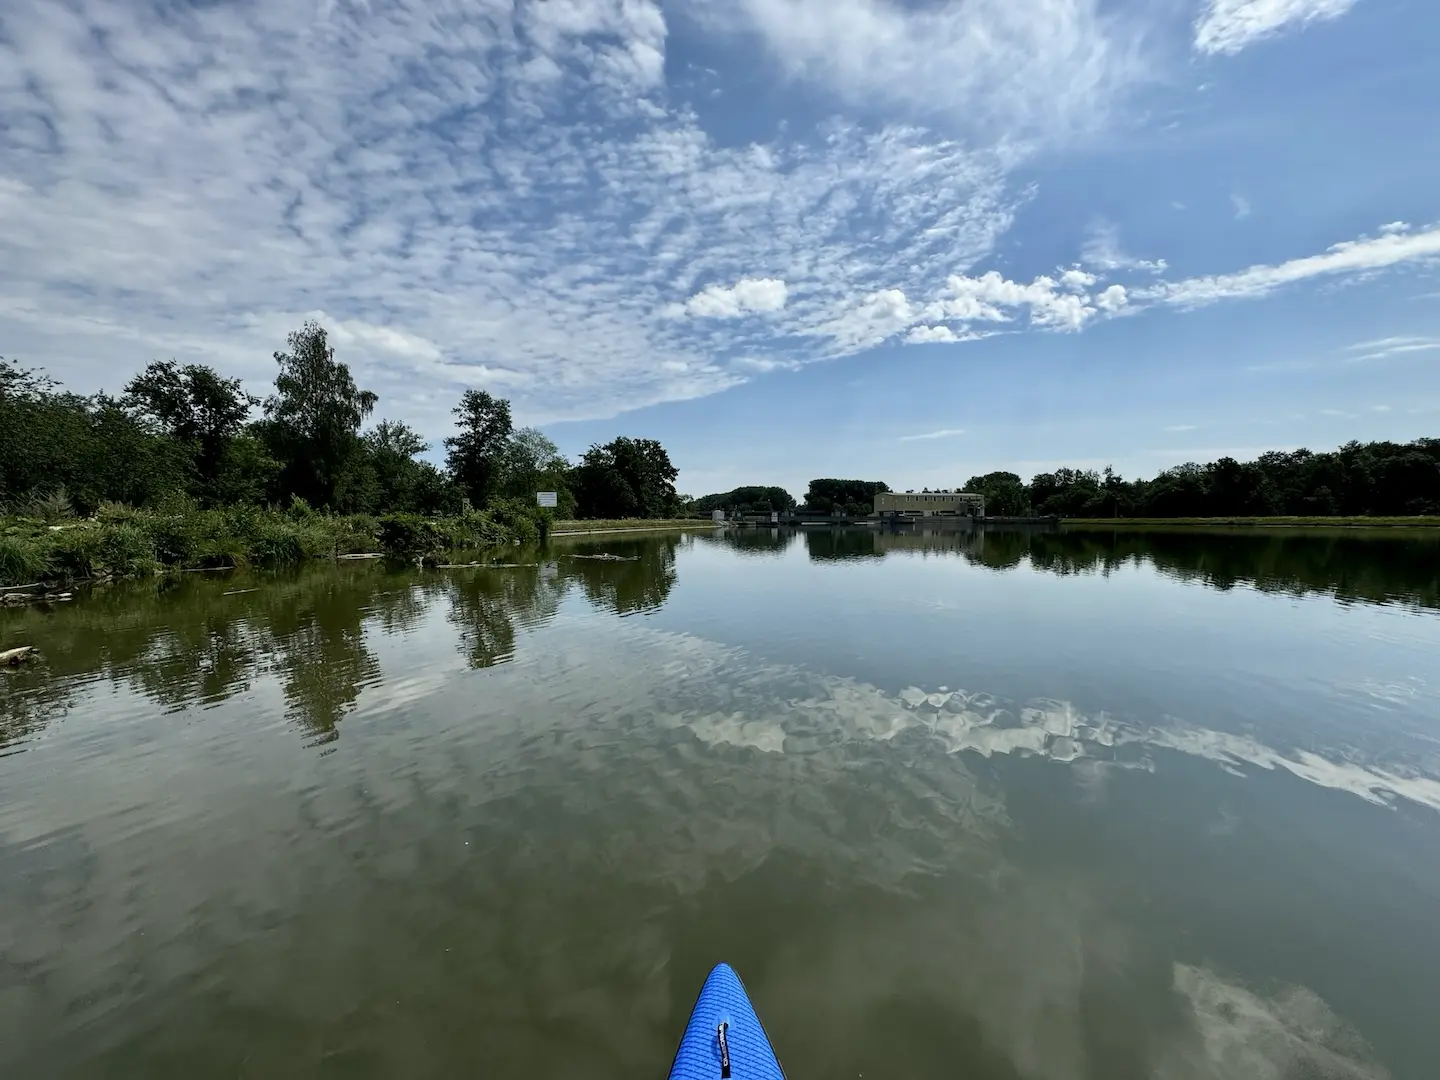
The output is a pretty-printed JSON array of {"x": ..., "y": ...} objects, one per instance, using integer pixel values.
[
  {"x": 123, "y": 542},
  {"x": 1419, "y": 521},
  {"x": 609, "y": 525}
]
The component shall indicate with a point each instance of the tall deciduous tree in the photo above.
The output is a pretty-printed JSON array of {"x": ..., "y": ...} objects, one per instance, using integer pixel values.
[
  {"x": 197, "y": 407},
  {"x": 626, "y": 478},
  {"x": 313, "y": 419},
  {"x": 1004, "y": 492},
  {"x": 475, "y": 455}
]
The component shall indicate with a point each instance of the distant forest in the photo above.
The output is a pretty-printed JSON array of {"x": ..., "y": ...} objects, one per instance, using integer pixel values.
[{"x": 1378, "y": 479}]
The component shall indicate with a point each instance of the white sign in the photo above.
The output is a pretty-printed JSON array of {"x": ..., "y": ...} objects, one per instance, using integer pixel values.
[{"x": 545, "y": 498}]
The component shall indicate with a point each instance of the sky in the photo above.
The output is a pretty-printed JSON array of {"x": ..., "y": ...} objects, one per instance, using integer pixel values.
[{"x": 882, "y": 239}]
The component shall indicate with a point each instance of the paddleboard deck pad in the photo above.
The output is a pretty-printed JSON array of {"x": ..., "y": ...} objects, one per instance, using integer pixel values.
[{"x": 724, "y": 1039}]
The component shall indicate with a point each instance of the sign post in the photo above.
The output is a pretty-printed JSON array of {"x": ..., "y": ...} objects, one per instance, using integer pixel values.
[{"x": 545, "y": 498}]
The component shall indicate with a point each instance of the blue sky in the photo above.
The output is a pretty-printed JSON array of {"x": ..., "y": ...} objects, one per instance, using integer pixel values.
[{"x": 788, "y": 238}]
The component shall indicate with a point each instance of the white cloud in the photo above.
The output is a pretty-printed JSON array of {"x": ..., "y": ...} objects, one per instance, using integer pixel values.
[
  {"x": 1227, "y": 26},
  {"x": 763, "y": 364},
  {"x": 1353, "y": 256},
  {"x": 1392, "y": 346},
  {"x": 1103, "y": 251},
  {"x": 424, "y": 178},
  {"x": 746, "y": 296},
  {"x": 511, "y": 196},
  {"x": 1112, "y": 299},
  {"x": 922, "y": 335},
  {"x": 1242, "y": 207},
  {"x": 1004, "y": 68},
  {"x": 1177, "y": 428},
  {"x": 943, "y": 433},
  {"x": 993, "y": 298}
]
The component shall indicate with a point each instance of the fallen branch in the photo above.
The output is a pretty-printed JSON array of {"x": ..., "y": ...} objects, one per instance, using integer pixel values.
[{"x": 15, "y": 657}]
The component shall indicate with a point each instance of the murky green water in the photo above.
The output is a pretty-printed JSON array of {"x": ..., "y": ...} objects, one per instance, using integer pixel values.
[{"x": 956, "y": 805}]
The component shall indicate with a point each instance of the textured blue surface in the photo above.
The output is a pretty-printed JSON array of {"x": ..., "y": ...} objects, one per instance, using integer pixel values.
[{"x": 723, "y": 1000}]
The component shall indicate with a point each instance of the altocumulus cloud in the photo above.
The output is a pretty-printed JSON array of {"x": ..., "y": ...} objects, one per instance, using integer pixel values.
[{"x": 513, "y": 195}]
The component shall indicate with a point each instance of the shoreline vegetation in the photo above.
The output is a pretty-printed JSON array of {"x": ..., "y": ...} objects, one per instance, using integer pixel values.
[{"x": 186, "y": 470}]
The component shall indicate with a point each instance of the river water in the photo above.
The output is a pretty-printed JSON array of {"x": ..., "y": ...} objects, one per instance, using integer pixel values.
[{"x": 992, "y": 806}]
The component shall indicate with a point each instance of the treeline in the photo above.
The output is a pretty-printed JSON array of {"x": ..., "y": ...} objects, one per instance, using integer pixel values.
[
  {"x": 185, "y": 430},
  {"x": 1378, "y": 479},
  {"x": 849, "y": 497}
]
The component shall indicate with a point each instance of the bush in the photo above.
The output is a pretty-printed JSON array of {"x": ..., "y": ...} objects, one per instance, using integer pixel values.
[
  {"x": 75, "y": 553},
  {"x": 518, "y": 519},
  {"x": 407, "y": 537},
  {"x": 125, "y": 550},
  {"x": 53, "y": 508},
  {"x": 176, "y": 539},
  {"x": 23, "y": 560}
]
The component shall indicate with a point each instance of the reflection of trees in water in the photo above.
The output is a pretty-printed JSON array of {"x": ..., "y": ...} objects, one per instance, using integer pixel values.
[
  {"x": 761, "y": 541},
  {"x": 182, "y": 641},
  {"x": 487, "y": 605},
  {"x": 941, "y": 541},
  {"x": 320, "y": 654},
  {"x": 640, "y": 580},
  {"x": 30, "y": 698},
  {"x": 826, "y": 545},
  {"x": 1373, "y": 567}
]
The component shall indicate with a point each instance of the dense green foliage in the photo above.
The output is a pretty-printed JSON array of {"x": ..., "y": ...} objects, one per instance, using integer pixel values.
[
  {"x": 746, "y": 500},
  {"x": 851, "y": 497},
  {"x": 183, "y": 437},
  {"x": 626, "y": 478},
  {"x": 475, "y": 454},
  {"x": 1360, "y": 480}
]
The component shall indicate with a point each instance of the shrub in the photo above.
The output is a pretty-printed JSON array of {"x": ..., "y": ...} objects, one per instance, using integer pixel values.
[
  {"x": 124, "y": 550},
  {"x": 517, "y": 519},
  {"x": 110, "y": 512},
  {"x": 408, "y": 537},
  {"x": 176, "y": 538},
  {"x": 75, "y": 553},
  {"x": 23, "y": 560},
  {"x": 52, "y": 508}
]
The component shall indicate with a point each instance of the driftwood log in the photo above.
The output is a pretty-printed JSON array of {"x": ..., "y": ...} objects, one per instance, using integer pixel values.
[{"x": 15, "y": 657}]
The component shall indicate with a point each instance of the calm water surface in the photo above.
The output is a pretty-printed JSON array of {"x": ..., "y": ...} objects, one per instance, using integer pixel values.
[{"x": 990, "y": 806}]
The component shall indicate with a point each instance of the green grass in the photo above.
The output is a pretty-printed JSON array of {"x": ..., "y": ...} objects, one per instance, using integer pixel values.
[{"x": 1257, "y": 522}]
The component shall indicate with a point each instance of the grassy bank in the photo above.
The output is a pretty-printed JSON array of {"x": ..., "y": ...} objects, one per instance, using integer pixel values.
[
  {"x": 570, "y": 528},
  {"x": 120, "y": 541},
  {"x": 1257, "y": 522}
]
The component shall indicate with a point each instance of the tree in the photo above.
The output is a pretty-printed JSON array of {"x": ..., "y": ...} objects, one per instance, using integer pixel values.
[
  {"x": 1005, "y": 494},
  {"x": 397, "y": 480},
  {"x": 475, "y": 454},
  {"x": 313, "y": 419},
  {"x": 850, "y": 497},
  {"x": 746, "y": 500},
  {"x": 626, "y": 478},
  {"x": 195, "y": 406}
]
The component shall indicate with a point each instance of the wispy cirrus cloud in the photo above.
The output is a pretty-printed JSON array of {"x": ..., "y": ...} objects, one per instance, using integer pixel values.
[
  {"x": 1395, "y": 245},
  {"x": 1385, "y": 348},
  {"x": 1228, "y": 26},
  {"x": 943, "y": 433}
]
